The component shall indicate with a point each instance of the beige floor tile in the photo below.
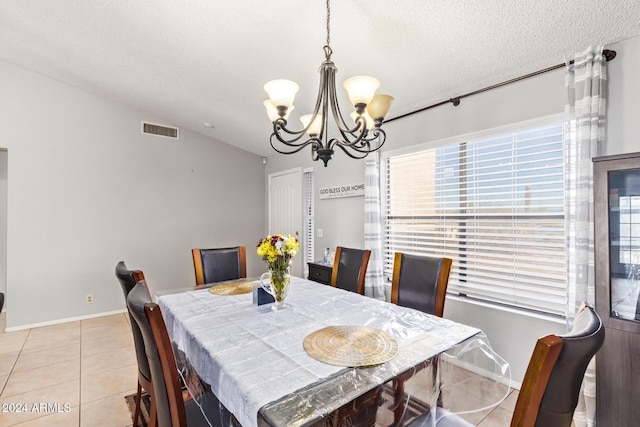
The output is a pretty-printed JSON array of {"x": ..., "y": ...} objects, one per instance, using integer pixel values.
[
  {"x": 55, "y": 329},
  {"x": 7, "y": 362},
  {"x": 99, "y": 345},
  {"x": 499, "y": 417},
  {"x": 3, "y": 381},
  {"x": 40, "y": 402},
  {"x": 43, "y": 342},
  {"x": 102, "y": 362},
  {"x": 115, "y": 319},
  {"x": 458, "y": 399},
  {"x": 111, "y": 411},
  {"x": 118, "y": 381},
  {"x": 12, "y": 341},
  {"x": 45, "y": 376},
  {"x": 510, "y": 402},
  {"x": 60, "y": 419},
  {"x": 103, "y": 332},
  {"x": 50, "y": 356}
]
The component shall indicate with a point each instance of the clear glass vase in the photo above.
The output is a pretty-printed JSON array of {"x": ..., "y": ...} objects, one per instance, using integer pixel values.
[{"x": 276, "y": 282}]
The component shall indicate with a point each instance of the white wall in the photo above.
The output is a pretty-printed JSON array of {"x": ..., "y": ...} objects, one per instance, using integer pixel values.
[
  {"x": 86, "y": 189},
  {"x": 623, "y": 112},
  {"x": 512, "y": 334},
  {"x": 3, "y": 223}
]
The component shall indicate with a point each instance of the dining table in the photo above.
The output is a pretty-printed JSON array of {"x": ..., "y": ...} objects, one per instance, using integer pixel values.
[{"x": 271, "y": 367}]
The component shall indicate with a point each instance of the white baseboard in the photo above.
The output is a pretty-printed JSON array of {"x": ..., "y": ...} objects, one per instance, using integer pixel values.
[{"x": 66, "y": 320}]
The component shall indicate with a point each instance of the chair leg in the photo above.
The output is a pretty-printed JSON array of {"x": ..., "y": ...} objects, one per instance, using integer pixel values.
[
  {"x": 153, "y": 416},
  {"x": 136, "y": 412}
]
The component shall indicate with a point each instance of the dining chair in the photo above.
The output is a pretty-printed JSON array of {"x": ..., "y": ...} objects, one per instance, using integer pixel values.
[
  {"x": 420, "y": 282},
  {"x": 172, "y": 409},
  {"x": 219, "y": 264},
  {"x": 551, "y": 385},
  {"x": 128, "y": 279},
  {"x": 350, "y": 268}
]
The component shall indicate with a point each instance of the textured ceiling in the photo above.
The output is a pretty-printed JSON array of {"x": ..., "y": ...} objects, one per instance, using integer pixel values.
[{"x": 196, "y": 61}]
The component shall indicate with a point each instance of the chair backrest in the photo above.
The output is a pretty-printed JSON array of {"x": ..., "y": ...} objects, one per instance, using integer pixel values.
[
  {"x": 164, "y": 371},
  {"x": 128, "y": 279},
  {"x": 551, "y": 385},
  {"x": 350, "y": 268},
  {"x": 420, "y": 282},
  {"x": 219, "y": 264}
]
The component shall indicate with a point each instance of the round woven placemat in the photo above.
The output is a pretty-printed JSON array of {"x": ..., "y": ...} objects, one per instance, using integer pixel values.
[
  {"x": 232, "y": 288},
  {"x": 351, "y": 346}
]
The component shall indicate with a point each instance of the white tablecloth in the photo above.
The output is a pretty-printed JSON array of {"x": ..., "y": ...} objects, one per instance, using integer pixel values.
[{"x": 251, "y": 355}]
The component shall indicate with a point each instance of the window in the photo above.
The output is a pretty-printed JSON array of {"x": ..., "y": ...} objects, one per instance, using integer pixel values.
[
  {"x": 629, "y": 228},
  {"x": 495, "y": 205}
]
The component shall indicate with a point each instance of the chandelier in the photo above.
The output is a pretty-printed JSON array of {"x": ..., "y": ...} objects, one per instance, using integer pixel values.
[{"x": 363, "y": 137}]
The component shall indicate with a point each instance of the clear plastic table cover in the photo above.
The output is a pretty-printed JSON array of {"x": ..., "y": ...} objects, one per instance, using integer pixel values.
[{"x": 253, "y": 360}]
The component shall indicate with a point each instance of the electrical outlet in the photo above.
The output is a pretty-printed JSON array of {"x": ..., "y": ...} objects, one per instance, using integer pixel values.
[{"x": 89, "y": 299}]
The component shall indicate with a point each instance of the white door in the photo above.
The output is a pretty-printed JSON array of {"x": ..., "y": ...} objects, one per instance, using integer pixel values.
[{"x": 285, "y": 210}]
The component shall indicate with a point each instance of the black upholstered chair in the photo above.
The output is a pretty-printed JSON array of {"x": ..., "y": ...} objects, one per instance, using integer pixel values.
[
  {"x": 551, "y": 385},
  {"x": 1, "y": 301},
  {"x": 172, "y": 410},
  {"x": 128, "y": 279},
  {"x": 350, "y": 268},
  {"x": 420, "y": 282},
  {"x": 219, "y": 264}
]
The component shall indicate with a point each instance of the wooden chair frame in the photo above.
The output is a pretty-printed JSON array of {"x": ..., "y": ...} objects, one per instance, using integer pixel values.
[
  {"x": 544, "y": 357},
  {"x": 443, "y": 281},
  {"x": 143, "y": 383},
  {"x": 169, "y": 367},
  {"x": 363, "y": 269},
  {"x": 199, "y": 270}
]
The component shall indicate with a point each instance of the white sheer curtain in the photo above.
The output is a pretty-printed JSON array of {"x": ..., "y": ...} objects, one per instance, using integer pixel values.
[
  {"x": 374, "y": 281},
  {"x": 585, "y": 82}
]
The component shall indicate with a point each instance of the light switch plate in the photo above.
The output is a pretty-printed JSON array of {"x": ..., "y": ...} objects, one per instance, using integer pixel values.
[{"x": 319, "y": 232}]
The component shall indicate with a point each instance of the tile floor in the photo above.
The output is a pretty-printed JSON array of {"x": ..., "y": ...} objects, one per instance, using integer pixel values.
[{"x": 87, "y": 367}]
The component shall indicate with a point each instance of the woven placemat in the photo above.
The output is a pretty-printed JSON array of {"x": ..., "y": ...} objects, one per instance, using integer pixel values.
[
  {"x": 351, "y": 346},
  {"x": 236, "y": 288}
]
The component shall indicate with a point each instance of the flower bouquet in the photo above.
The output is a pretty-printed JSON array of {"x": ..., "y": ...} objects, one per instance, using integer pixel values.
[{"x": 277, "y": 250}]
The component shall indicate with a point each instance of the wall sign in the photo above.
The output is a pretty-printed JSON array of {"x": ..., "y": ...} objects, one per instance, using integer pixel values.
[{"x": 342, "y": 191}]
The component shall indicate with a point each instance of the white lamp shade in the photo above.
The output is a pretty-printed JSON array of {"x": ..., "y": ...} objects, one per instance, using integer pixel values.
[
  {"x": 361, "y": 89},
  {"x": 367, "y": 119},
  {"x": 379, "y": 106},
  {"x": 272, "y": 111},
  {"x": 281, "y": 92},
  {"x": 315, "y": 127}
]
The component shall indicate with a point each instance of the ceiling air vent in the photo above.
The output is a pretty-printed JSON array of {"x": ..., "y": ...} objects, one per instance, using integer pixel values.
[{"x": 160, "y": 130}]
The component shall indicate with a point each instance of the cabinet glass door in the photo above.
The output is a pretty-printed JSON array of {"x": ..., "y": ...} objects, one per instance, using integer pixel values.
[{"x": 624, "y": 241}]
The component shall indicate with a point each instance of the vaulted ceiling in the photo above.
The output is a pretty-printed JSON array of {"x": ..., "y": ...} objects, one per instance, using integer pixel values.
[{"x": 196, "y": 61}]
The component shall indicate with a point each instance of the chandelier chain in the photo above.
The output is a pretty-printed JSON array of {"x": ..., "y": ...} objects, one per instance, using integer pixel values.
[{"x": 328, "y": 22}]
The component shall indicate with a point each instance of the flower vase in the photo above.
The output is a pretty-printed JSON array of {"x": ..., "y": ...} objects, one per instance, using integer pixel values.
[{"x": 277, "y": 285}]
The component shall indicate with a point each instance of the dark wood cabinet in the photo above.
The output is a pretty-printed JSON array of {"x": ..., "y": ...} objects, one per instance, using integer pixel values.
[
  {"x": 617, "y": 277},
  {"x": 319, "y": 272}
]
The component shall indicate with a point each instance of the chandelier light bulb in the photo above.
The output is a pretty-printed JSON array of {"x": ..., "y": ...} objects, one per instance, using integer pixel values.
[
  {"x": 361, "y": 89},
  {"x": 281, "y": 92},
  {"x": 367, "y": 119},
  {"x": 379, "y": 106},
  {"x": 272, "y": 111},
  {"x": 316, "y": 126}
]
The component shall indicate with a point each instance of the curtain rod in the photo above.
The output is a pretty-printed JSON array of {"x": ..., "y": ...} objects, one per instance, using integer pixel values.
[{"x": 608, "y": 55}]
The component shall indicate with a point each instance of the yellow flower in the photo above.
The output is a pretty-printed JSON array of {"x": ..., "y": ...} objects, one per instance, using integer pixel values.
[{"x": 277, "y": 250}]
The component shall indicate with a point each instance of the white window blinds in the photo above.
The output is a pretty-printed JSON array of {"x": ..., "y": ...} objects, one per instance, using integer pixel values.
[
  {"x": 308, "y": 219},
  {"x": 495, "y": 206}
]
